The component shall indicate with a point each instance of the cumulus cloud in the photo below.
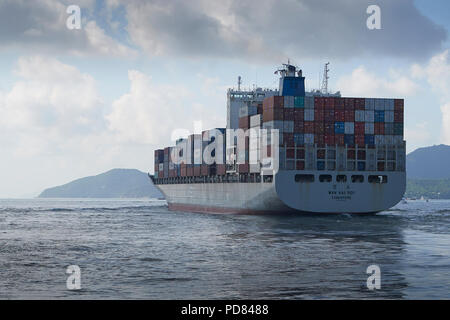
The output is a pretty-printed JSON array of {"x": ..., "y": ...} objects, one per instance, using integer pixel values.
[
  {"x": 41, "y": 26},
  {"x": 150, "y": 112},
  {"x": 362, "y": 82},
  {"x": 280, "y": 28},
  {"x": 437, "y": 74}
]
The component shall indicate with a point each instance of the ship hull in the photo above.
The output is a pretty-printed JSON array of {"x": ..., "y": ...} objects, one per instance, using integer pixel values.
[{"x": 287, "y": 195}]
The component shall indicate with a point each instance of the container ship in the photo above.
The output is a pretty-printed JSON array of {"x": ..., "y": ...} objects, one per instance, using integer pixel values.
[{"x": 288, "y": 150}]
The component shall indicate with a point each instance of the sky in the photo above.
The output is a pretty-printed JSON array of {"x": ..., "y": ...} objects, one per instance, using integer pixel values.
[{"x": 78, "y": 102}]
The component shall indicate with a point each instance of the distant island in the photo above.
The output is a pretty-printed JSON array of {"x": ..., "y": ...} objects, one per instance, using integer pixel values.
[
  {"x": 116, "y": 183},
  {"x": 428, "y": 175},
  {"x": 428, "y": 172}
]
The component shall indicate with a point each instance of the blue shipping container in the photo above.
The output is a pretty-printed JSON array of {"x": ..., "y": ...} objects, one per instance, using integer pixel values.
[
  {"x": 369, "y": 139},
  {"x": 349, "y": 139},
  {"x": 320, "y": 165},
  {"x": 379, "y": 115},
  {"x": 361, "y": 166},
  {"x": 299, "y": 138},
  {"x": 339, "y": 127}
]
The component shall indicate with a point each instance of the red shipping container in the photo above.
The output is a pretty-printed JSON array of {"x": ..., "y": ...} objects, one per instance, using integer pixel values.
[
  {"x": 329, "y": 128},
  {"x": 359, "y": 140},
  {"x": 259, "y": 109},
  {"x": 221, "y": 169},
  {"x": 360, "y": 128},
  {"x": 360, "y": 104},
  {"x": 398, "y": 104},
  {"x": 318, "y": 115},
  {"x": 339, "y": 139},
  {"x": 319, "y": 102},
  {"x": 319, "y": 139},
  {"x": 290, "y": 153},
  {"x": 329, "y": 139},
  {"x": 320, "y": 154},
  {"x": 338, "y": 103},
  {"x": 380, "y": 166},
  {"x": 189, "y": 170},
  {"x": 300, "y": 153},
  {"x": 243, "y": 168},
  {"x": 339, "y": 115},
  {"x": 299, "y": 126},
  {"x": 300, "y": 165},
  {"x": 299, "y": 114},
  {"x": 197, "y": 171},
  {"x": 379, "y": 128},
  {"x": 319, "y": 128},
  {"x": 349, "y": 103},
  {"x": 398, "y": 116},
  {"x": 351, "y": 154},
  {"x": 274, "y": 102},
  {"x": 244, "y": 122},
  {"x": 205, "y": 170},
  {"x": 349, "y": 115},
  {"x": 309, "y": 126},
  {"x": 273, "y": 114},
  {"x": 328, "y": 115},
  {"x": 361, "y": 155},
  {"x": 288, "y": 139},
  {"x": 329, "y": 102}
]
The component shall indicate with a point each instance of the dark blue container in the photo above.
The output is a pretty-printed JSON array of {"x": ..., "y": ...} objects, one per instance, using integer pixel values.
[
  {"x": 339, "y": 127},
  {"x": 299, "y": 139},
  {"x": 361, "y": 166},
  {"x": 379, "y": 115},
  {"x": 293, "y": 86},
  {"x": 349, "y": 139},
  {"x": 398, "y": 129},
  {"x": 320, "y": 165},
  {"x": 369, "y": 139}
]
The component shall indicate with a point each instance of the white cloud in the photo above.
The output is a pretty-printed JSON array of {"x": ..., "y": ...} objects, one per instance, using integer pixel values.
[
  {"x": 362, "y": 82},
  {"x": 150, "y": 112},
  {"x": 437, "y": 74}
]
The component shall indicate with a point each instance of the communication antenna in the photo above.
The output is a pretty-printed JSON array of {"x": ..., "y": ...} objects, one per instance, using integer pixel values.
[
  {"x": 239, "y": 83},
  {"x": 324, "y": 88}
]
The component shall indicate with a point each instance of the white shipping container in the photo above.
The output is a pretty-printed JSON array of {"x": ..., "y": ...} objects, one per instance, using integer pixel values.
[
  {"x": 379, "y": 104},
  {"x": 370, "y": 104},
  {"x": 288, "y": 101},
  {"x": 309, "y": 138},
  {"x": 309, "y": 102},
  {"x": 360, "y": 116},
  {"x": 349, "y": 128},
  {"x": 288, "y": 126},
  {"x": 198, "y": 144},
  {"x": 309, "y": 114},
  {"x": 255, "y": 168},
  {"x": 389, "y": 116},
  {"x": 255, "y": 121},
  {"x": 369, "y": 116},
  {"x": 379, "y": 140},
  {"x": 369, "y": 128}
]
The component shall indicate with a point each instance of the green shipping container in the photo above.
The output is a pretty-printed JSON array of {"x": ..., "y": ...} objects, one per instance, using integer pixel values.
[{"x": 299, "y": 102}]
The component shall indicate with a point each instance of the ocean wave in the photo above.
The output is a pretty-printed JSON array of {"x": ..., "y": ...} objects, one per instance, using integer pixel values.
[{"x": 82, "y": 209}]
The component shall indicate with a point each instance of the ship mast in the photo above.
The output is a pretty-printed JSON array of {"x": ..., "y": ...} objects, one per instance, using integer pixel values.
[{"x": 324, "y": 88}]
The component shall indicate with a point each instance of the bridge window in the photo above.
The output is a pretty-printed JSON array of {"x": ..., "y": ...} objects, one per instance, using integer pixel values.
[
  {"x": 304, "y": 178},
  {"x": 325, "y": 178},
  {"x": 358, "y": 179},
  {"x": 341, "y": 178},
  {"x": 378, "y": 179}
]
